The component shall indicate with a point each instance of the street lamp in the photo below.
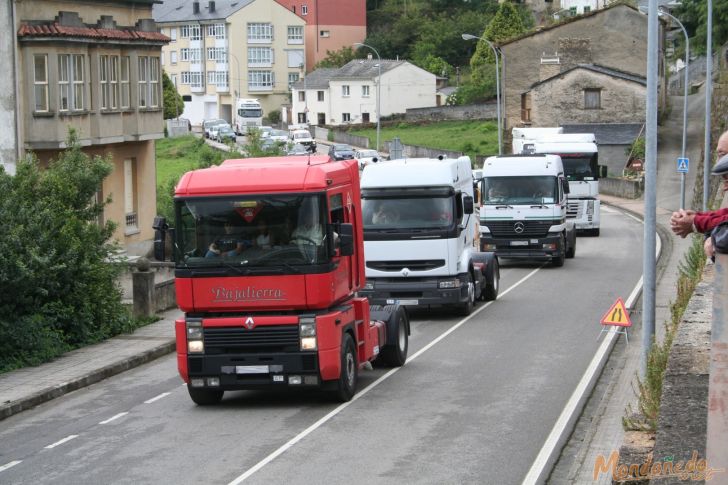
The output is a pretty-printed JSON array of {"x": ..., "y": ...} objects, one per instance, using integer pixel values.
[
  {"x": 497, "y": 86},
  {"x": 379, "y": 85},
  {"x": 685, "y": 101}
]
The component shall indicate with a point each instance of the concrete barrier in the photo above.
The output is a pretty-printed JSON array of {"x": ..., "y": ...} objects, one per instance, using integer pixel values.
[{"x": 624, "y": 188}]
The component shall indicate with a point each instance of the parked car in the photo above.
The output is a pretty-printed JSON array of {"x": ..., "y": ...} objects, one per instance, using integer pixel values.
[
  {"x": 366, "y": 156},
  {"x": 273, "y": 147},
  {"x": 265, "y": 131},
  {"x": 340, "y": 151},
  {"x": 214, "y": 129},
  {"x": 225, "y": 134},
  {"x": 208, "y": 124},
  {"x": 278, "y": 135}
]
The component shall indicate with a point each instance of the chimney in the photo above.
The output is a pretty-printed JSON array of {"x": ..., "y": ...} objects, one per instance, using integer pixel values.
[
  {"x": 211, "y": 6},
  {"x": 195, "y": 7}
]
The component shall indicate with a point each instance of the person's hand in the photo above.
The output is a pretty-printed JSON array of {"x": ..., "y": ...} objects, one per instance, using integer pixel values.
[
  {"x": 681, "y": 222},
  {"x": 214, "y": 248},
  {"x": 708, "y": 248}
]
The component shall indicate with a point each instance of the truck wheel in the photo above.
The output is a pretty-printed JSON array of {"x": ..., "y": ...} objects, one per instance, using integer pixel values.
[
  {"x": 465, "y": 309},
  {"x": 492, "y": 280},
  {"x": 558, "y": 261},
  {"x": 205, "y": 397},
  {"x": 346, "y": 385},
  {"x": 395, "y": 355},
  {"x": 571, "y": 252}
]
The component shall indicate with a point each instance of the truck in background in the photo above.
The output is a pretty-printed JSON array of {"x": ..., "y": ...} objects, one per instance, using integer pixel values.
[
  {"x": 523, "y": 208},
  {"x": 419, "y": 232},
  {"x": 268, "y": 262},
  {"x": 248, "y": 114},
  {"x": 580, "y": 157}
]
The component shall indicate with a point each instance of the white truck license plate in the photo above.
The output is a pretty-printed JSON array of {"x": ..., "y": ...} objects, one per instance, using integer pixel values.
[{"x": 251, "y": 369}]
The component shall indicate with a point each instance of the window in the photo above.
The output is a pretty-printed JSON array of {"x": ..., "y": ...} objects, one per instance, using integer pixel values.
[
  {"x": 260, "y": 56},
  {"x": 292, "y": 78},
  {"x": 184, "y": 31},
  {"x": 217, "y": 78},
  {"x": 320, "y": 95},
  {"x": 302, "y": 95},
  {"x": 40, "y": 80},
  {"x": 195, "y": 79},
  {"x": 195, "y": 55},
  {"x": 295, "y": 58},
  {"x": 130, "y": 196},
  {"x": 70, "y": 82},
  {"x": 184, "y": 54},
  {"x": 365, "y": 91},
  {"x": 592, "y": 98},
  {"x": 260, "y": 33},
  {"x": 216, "y": 30},
  {"x": 173, "y": 57},
  {"x": 143, "y": 81},
  {"x": 325, "y": 33},
  {"x": 173, "y": 78},
  {"x": 173, "y": 34},
  {"x": 194, "y": 32},
  {"x": 114, "y": 82},
  {"x": 295, "y": 34},
  {"x": 304, "y": 9},
  {"x": 216, "y": 54},
  {"x": 104, "y": 81},
  {"x": 587, "y": 9},
  {"x": 154, "y": 82},
  {"x": 345, "y": 91},
  {"x": 260, "y": 80},
  {"x": 346, "y": 117},
  {"x": 185, "y": 77},
  {"x": 124, "y": 82},
  {"x": 572, "y": 11}
]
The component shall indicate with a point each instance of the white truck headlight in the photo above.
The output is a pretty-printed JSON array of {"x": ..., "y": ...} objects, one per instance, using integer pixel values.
[
  {"x": 307, "y": 331},
  {"x": 195, "y": 344},
  {"x": 453, "y": 283},
  {"x": 369, "y": 285},
  {"x": 590, "y": 207}
]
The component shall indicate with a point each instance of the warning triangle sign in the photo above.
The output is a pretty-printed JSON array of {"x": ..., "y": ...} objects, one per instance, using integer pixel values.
[{"x": 617, "y": 315}]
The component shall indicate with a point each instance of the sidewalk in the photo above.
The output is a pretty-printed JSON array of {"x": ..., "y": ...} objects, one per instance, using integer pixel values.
[{"x": 25, "y": 388}]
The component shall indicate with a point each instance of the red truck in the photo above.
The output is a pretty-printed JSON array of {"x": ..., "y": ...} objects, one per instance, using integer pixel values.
[{"x": 268, "y": 262}]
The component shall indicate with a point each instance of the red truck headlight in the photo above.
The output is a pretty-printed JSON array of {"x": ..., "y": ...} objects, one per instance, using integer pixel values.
[
  {"x": 307, "y": 330},
  {"x": 194, "y": 337}
]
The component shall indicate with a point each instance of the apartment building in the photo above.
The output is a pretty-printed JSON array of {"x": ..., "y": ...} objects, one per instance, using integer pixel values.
[
  {"x": 223, "y": 50},
  {"x": 330, "y": 25},
  {"x": 96, "y": 68}
]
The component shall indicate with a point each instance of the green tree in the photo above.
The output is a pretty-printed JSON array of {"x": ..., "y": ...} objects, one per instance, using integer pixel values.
[
  {"x": 505, "y": 24},
  {"x": 59, "y": 289},
  {"x": 173, "y": 104},
  {"x": 435, "y": 65},
  {"x": 337, "y": 58},
  {"x": 693, "y": 14}
]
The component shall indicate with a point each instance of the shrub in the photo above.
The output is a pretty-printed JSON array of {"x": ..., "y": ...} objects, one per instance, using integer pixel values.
[{"x": 59, "y": 288}]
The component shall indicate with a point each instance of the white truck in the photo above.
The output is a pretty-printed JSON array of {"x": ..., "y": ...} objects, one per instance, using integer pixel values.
[
  {"x": 419, "y": 232},
  {"x": 580, "y": 156},
  {"x": 523, "y": 208},
  {"x": 248, "y": 114}
]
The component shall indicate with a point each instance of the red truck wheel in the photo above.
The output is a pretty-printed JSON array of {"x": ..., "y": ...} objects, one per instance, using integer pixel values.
[{"x": 346, "y": 385}]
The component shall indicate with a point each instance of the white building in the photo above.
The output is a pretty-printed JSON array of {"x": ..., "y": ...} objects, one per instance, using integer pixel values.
[{"x": 348, "y": 95}]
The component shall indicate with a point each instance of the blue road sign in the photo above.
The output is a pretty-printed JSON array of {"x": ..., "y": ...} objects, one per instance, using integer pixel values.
[{"x": 683, "y": 164}]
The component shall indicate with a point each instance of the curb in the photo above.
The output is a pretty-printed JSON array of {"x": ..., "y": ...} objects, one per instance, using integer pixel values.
[{"x": 45, "y": 395}]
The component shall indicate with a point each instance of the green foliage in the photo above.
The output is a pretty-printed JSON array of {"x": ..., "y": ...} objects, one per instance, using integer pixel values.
[
  {"x": 693, "y": 14},
  {"x": 59, "y": 289},
  {"x": 173, "y": 104},
  {"x": 505, "y": 24},
  {"x": 274, "y": 117},
  {"x": 337, "y": 58},
  {"x": 637, "y": 148},
  {"x": 435, "y": 65}
]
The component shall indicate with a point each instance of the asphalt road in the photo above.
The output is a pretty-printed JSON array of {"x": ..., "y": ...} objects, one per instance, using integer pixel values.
[{"x": 471, "y": 406}]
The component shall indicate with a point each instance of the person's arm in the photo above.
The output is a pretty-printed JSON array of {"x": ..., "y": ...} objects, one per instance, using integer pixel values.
[{"x": 705, "y": 221}]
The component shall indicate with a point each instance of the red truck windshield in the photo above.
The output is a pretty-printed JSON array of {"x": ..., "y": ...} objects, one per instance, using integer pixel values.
[{"x": 284, "y": 231}]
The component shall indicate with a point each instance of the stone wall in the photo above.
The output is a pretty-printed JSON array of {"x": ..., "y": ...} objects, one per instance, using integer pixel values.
[
  {"x": 624, "y": 188},
  {"x": 486, "y": 111}
]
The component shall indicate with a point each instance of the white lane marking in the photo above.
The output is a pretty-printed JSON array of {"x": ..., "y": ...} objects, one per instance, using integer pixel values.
[
  {"x": 9, "y": 465},
  {"x": 255, "y": 468},
  {"x": 543, "y": 461},
  {"x": 113, "y": 418},
  {"x": 156, "y": 398},
  {"x": 67, "y": 438}
]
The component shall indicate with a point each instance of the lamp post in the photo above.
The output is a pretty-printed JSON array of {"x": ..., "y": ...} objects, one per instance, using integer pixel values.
[
  {"x": 497, "y": 87},
  {"x": 379, "y": 85},
  {"x": 685, "y": 100}
]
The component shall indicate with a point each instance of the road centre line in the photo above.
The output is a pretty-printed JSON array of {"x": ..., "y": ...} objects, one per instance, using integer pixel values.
[
  {"x": 544, "y": 462},
  {"x": 156, "y": 398},
  {"x": 290, "y": 443},
  {"x": 113, "y": 418},
  {"x": 10, "y": 465},
  {"x": 67, "y": 438}
]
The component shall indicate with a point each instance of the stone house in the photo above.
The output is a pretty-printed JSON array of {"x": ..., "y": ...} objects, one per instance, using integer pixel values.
[
  {"x": 614, "y": 37},
  {"x": 94, "y": 67}
]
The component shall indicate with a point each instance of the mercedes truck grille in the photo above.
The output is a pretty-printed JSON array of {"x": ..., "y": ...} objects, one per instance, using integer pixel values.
[
  {"x": 268, "y": 338},
  {"x": 519, "y": 228}
]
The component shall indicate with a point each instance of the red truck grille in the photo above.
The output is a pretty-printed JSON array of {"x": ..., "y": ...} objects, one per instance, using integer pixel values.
[{"x": 268, "y": 338}]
